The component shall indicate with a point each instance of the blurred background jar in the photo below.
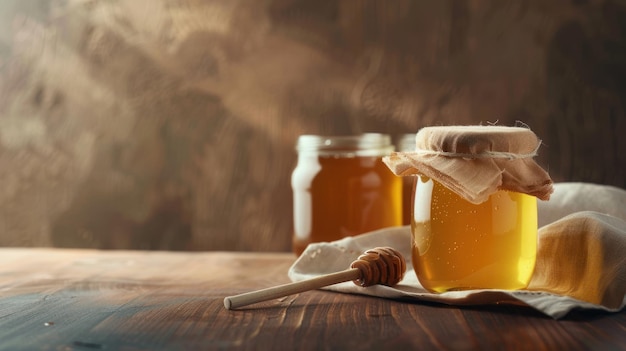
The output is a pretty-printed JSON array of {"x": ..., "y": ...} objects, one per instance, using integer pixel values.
[
  {"x": 406, "y": 143},
  {"x": 342, "y": 188}
]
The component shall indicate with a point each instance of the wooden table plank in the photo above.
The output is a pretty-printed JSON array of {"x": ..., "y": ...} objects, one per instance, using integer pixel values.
[{"x": 88, "y": 300}]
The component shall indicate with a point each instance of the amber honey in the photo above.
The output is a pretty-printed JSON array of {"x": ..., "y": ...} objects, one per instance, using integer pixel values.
[
  {"x": 457, "y": 245},
  {"x": 343, "y": 191},
  {"x": 407, "y": 197},
  {"x": 406, "y": 143}
]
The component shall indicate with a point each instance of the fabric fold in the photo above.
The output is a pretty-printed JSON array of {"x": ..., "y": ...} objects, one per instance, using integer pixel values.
[{"x": 476, "y": 161}]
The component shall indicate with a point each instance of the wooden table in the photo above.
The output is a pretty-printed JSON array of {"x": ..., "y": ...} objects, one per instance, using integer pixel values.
[{"x": 53, "y": 299}]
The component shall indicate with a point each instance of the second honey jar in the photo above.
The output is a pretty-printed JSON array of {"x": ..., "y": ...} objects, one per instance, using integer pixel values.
[{"x": 342, "y": 188}]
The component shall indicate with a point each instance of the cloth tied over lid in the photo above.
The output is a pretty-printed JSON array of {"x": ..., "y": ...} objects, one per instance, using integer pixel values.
[{"x": 476, "y": 161}]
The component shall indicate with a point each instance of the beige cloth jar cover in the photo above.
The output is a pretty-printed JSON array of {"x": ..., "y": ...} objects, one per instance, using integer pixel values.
[{"x": 476, "y": 161}]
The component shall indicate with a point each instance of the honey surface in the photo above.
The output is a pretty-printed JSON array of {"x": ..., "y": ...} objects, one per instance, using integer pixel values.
[{"x": 458, "y": 245}]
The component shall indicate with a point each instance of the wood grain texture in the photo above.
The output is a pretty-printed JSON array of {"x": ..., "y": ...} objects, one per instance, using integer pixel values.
[
  {"x": 172, "y": 123},
  {"x": 84, "y": 300}
]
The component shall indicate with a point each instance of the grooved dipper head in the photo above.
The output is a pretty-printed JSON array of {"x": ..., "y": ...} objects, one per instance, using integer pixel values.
[{"x": 381, "y": 265}]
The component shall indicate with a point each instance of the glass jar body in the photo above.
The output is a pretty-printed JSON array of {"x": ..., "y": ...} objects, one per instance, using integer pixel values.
[
  {"x": 457, "y": 245},
  {"x": 406, "y": 143},
  {"x": 338, "y": 194}
]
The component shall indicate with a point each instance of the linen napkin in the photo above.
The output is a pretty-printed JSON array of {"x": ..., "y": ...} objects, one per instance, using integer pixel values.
[{"x": 581, "y": 257}]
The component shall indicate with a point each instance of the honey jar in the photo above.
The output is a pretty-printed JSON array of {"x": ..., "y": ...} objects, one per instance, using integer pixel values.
[
  {"x": 458, "y": 245},
  {"x": 474, "y": 207},
  {"x": 342, "y": 188}
]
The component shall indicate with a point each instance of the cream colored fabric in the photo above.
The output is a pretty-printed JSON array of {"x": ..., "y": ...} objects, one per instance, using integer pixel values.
[
  {"x": 581, "y": 261},
  {"x": 583, "y": 256},
  {"x": 476, "y": 161},
  {"x": 574, "y": 197}
]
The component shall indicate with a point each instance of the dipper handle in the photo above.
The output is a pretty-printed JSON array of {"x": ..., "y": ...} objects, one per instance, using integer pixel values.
[
  {"x": 381, "y": 265},
  {"x": 240, "y": 300}
]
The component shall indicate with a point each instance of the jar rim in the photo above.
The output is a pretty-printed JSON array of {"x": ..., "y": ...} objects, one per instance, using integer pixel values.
[
  {"x": 406, "y": 142},
  {"x": 367, "y": 143}
]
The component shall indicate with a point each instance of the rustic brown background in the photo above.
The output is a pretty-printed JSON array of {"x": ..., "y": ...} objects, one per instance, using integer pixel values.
[{"x": 155, "y": 124}]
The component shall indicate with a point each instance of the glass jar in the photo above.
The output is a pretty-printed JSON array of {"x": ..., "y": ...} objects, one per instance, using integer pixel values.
[
  {"x": 474, "y": 217},
  {"x": 342, "y": 188},
  {"x": 458, "y": 245},
  {"x": 406, "y": 143}
]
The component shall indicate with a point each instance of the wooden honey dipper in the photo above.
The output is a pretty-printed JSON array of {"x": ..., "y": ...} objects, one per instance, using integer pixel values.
[{"x": 381, "y": 265}]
